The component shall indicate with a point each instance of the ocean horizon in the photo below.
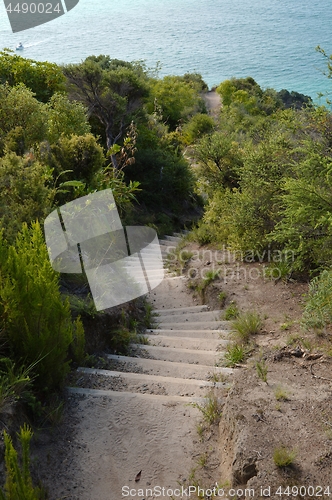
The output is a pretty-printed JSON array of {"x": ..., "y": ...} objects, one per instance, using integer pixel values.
[{"x": 272, "y": 41}]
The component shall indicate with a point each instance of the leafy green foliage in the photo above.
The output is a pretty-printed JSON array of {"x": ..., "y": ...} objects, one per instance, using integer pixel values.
[
  {"x": 165, "y": 178},
  {"x": 36, "y": 322},
  {"x": 65, "y": 118},
  {"x": 198, "y": 126},
  {"x": 80, "y": 156},
  {"x": 42, "y": 78},
  {"x": 305, "y": 226},
  {"x": 219, "y": 159},
  {"x": 26, "y": 192},
  {"x": 22, "y": 116},
  {"x": 279, "y": 194},
  {"x": 176, "y": 98}
]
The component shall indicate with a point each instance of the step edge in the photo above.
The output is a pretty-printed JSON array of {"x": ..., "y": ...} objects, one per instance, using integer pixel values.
[
  {"x": 154, "y": 378},
  {"x": 127, "y": 394}
]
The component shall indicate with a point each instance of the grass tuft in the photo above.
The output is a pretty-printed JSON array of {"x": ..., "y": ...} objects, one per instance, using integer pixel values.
[
  {"x": 261, "y": 369},
  {"x": 231, "y": 312},
  {"x": 211, "y": 410},
  {"x": 247, "y": 324},
  {"x": 281, "y": 394},
  {"x": 283, "y": 457},
  {"x": 235, "y": 354}
]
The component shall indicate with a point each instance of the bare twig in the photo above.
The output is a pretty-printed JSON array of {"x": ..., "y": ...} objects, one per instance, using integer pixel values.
[{"x": 316, "y": 376}]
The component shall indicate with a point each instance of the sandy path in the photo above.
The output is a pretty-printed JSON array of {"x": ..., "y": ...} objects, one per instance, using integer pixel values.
[
  {"x": 213, "y": 102},
  {"x": 108, "y": 437},
  {"x": 124, "y": 434}
]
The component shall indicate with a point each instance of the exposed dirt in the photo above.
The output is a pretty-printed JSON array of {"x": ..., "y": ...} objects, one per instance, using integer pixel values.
[{"x": 292, "y": 410}]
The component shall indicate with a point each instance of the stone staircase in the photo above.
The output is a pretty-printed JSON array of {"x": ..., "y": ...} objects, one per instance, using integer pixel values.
[{"x": 178, "y": 364}]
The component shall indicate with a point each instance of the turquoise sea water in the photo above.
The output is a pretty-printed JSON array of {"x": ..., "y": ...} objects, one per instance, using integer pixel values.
[{"x": 271, "y": 40}]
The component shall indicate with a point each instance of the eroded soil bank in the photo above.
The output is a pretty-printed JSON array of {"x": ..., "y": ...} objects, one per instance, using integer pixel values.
[{"x": 292, "y": 410}]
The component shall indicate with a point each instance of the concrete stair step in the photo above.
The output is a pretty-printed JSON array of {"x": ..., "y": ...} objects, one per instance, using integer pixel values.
[
  {"x": 116, "y": 396},
  {"x": 181, "y": 310},
  {"x": 169, "y": 243},
  {"x": 190, "y": 317},
  {"x": 204, "y": 334},
  {"x": 204, "y": 357},
  {"x": 186, "y": 342},
  {"x": 194, "y": 325},
  {"x": 174, "y": 238},
  {"x": 91, "y": 378},
  {"x": 181, "y": 235},
  {"x": 166, "y": 368}
]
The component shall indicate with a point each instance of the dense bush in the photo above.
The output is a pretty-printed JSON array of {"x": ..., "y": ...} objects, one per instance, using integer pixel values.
[
  {"x": 268, "y": 187},
  {"x": 26, "y": 192},
  {"x": 81, "y": 157},
  {"x": 176, "y": 98},
  {"x": 41, "y": 77},
  {"x": 21, "y": 113},
  {"x": 35, "y": 321},
  {"x": 196, "y": 127}
]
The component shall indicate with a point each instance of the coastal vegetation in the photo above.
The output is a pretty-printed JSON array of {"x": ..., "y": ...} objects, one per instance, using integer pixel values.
[{"x": 255, "y": 177}]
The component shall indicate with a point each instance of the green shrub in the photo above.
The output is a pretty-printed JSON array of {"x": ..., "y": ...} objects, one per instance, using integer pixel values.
[
  {"x": 21, "y": 111},
  {"x": 199, "y": 125},
  {"x": 25, "y": 192},
  {"x": 36, "y": 322},
  {"x": 318, "y": 310},
  {"x": 19, "y": 484},
  {"x": 42, "y": 77},
  {"x": 65, "y": 118},
  {"x": 120, "y": 340},
  {"x": 78, "y": 157}
]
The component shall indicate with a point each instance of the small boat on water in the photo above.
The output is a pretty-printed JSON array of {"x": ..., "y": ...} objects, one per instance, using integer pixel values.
[{"x": 20, "y": 46}]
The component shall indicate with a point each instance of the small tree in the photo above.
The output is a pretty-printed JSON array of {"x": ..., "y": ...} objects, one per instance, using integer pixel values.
[{"x": 111, "y": 90}]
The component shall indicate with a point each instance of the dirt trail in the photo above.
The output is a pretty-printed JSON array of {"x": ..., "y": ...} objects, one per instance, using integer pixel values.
[{"x": 213, "y": 102}]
